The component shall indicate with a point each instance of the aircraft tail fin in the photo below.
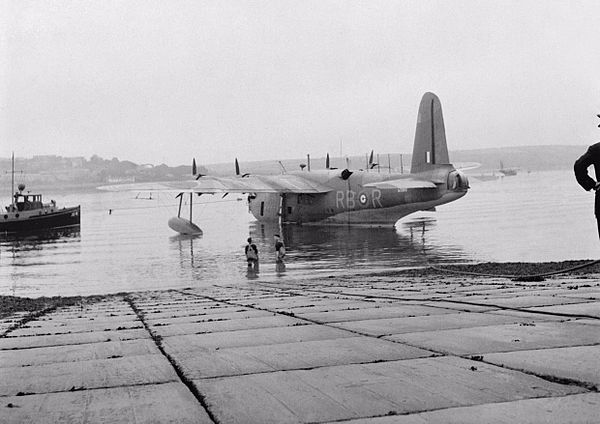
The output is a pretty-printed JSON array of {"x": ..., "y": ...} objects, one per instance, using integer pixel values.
[{"x": 430, "y": 136}]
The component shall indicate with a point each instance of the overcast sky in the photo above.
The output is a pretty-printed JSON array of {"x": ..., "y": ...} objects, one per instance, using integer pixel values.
[{"x": 163, "y": 81}]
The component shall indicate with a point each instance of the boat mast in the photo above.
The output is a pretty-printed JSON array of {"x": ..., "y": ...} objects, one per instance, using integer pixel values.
[{"x": 12, "y": 186}]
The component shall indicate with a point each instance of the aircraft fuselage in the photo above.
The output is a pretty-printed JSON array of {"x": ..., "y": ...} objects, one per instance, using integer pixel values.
[{"x": 350, "y": 201}]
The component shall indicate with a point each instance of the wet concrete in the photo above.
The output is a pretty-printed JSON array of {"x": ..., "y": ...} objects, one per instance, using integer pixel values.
[{"x": 402, "y": 350}]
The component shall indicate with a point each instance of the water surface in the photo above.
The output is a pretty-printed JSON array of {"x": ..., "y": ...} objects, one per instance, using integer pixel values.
[{"x": 530, "y": 217}]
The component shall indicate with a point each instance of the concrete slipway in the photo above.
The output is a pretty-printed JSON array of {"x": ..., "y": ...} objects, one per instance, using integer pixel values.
[{"x": 369, "y": 350}]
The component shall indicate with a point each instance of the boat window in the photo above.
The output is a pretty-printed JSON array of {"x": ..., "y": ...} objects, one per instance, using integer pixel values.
[
  {"x": 5, "y": 216},
  {"x": 289, "y": 209}
]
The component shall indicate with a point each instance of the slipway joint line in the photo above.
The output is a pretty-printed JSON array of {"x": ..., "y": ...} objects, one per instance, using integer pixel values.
[{"x": 182, "y": 377}]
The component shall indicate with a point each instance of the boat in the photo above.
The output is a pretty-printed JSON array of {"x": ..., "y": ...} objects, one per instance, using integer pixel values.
[
  {"x": 28, "y": 213},
  {"x": 507, "y": 172}
]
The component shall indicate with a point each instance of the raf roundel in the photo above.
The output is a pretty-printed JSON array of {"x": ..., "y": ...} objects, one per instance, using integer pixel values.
[{"x": 363, "y": 199}]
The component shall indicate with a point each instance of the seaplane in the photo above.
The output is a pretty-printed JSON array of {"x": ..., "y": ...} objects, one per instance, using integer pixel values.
[{"x": 332, "y": 195}]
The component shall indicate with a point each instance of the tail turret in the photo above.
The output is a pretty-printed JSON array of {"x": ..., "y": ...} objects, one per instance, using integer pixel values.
[{"x": 430, "y": 136}]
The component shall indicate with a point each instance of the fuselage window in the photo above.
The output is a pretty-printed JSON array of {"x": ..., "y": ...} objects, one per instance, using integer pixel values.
[{"x": 262, "y": 208}]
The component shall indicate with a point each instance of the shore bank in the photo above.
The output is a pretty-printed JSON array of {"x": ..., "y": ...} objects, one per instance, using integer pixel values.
[{"x": 403, "y": 348}]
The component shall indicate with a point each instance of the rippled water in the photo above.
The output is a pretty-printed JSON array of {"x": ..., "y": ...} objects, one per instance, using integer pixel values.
[{"x": 529, "y": 217}]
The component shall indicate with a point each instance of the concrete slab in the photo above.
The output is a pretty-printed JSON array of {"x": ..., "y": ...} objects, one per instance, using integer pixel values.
[
  {"x": 308, "y": 303},
  {"x": 588, "y": 308},
  {"x": 228, "y": 325},
  {"x": 34, "y": 328},
  {"x": 503, "y": 338},
  {"x": 580, "y": 363},
  {"x": 380, "y": 327},
  {"x": 155, "y": 403},
  {"x": 592, "y": 321},
  {"x": 530, "y": 316},
  {"x": 252, "y": 337},
  {"x": 358, "y": 391},
  {"x": 523, "y": 301},
  {"x": 465, "y": 307},
  {"x": 65, "y": 376},
  {"x": 248, "y": 313},
  {"x": 210, "y": 307},
  {"x": 356, "y": 313},
  {"x": 581, "y": 408},
  {"x": 206, "y": 363},
  {"x": 73, "y": 338},
  {"x": 183, "y": 312},
  {"x": 73, "y": 353}
]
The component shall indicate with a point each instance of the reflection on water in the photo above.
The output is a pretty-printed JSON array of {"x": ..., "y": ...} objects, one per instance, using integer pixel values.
[
  {"x": 310, "y": 249},
  {"x": 24, "y": 256},
  {"x": 336, "y": 248},
  {"x": 533, "y": 217}
]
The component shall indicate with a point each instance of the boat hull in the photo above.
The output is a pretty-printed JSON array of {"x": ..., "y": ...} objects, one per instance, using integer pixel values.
[{"x": 62, "y": 218}]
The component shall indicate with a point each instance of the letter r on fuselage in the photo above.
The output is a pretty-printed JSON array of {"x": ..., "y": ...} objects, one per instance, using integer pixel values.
[
  {"x": 339, "y": 199},
  {"x": 377, "y": 198}
]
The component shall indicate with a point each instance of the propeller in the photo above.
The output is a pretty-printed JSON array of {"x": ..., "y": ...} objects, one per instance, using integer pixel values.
[
  {"x": 195, "y": 169},
  {"x": 237, "y": 169},
  {"x": 371, "y": 163},
  {"x": 327, "y": 161}
]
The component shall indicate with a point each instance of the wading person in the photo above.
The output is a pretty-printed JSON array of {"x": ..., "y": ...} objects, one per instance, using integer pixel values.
[
  {"x": 279, "y": 255},
  {"x": 251, "y": 255},
  {"x": 279, "y": 248},
  {"x": 591, "y": 157}
]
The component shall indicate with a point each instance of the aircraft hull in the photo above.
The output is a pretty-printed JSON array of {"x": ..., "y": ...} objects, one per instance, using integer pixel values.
[
  {"x": 386, "y": 216},
  {"x": 267, "y": 208}
]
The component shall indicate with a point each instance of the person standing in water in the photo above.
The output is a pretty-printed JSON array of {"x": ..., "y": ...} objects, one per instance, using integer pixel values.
[
  {"x": 251, "y": 255},
  {"x": 279, "y": 255},
  {"x": 279, "y": 248}
]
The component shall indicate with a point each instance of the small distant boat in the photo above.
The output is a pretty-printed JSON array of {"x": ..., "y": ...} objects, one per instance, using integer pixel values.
[
  {"x": 28, "y": 213},
  {"x": 507, "y": 172}
]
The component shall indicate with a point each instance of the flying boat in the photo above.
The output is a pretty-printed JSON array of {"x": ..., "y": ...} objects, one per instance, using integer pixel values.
[{"x": 332, "y": 195}]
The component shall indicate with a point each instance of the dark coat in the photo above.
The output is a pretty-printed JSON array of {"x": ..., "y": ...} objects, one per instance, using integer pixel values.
[{"x": 591, "y": 157}]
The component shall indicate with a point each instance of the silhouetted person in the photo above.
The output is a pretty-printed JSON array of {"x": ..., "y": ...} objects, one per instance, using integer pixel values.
[
  {"x": 251, "y": 255},
  {"x": 591, "y": 157}
]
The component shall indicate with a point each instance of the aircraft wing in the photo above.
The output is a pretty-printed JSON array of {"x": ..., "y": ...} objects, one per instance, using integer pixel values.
[
  {"x": 285, "y": 183},
  {"x": 401, "y": 184}
]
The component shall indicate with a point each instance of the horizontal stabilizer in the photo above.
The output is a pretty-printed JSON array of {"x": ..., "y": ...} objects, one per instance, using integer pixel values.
[
  {"x": 465, "y": 166},
  {"x": 401, "y": 184}
]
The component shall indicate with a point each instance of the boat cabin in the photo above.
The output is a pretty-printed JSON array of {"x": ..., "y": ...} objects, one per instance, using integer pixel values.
[{"x": 28, "y": 202}]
